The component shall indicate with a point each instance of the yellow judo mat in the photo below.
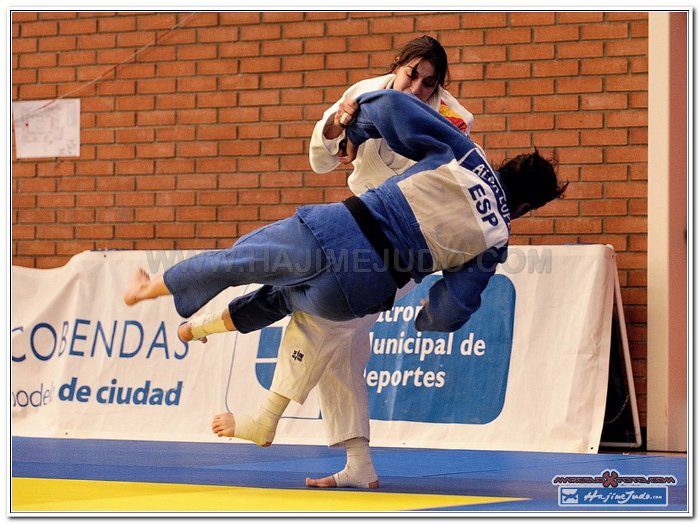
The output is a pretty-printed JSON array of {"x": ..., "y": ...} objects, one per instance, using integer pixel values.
[{"x": 59, "y": 495}]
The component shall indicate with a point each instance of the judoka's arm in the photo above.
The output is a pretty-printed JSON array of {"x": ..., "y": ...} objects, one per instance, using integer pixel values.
[
  {"x": 410, "y": 127},
  {"x": 457, "y": 295},
  {"x": 323, "y": 152},
  {"x": 326, "y": 150}
]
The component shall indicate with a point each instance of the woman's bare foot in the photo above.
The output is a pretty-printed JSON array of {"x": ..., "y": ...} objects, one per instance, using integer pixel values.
[
  {"x": 223, "y": 425},
  {"x": 137, "y": 284},
  {"x": 329, "y": 482},
  {"x": 325, "y": 482},
  {"x": 185, "y": 333}
]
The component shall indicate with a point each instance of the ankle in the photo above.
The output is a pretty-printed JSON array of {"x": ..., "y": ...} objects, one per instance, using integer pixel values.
[{"x": 206, "y": 324}]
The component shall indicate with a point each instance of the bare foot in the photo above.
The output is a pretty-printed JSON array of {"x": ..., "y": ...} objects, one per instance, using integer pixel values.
[
  {"x": 329, "y": 482},
  {"x": 325, "y": 482},
  {"x": 223, "y": 425},
  {"x": 138, "y": 281},
  {"x": 185, "y": 333}
]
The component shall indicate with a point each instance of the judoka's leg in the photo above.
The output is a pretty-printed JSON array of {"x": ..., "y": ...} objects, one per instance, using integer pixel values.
[
  {"x": 344, "y": 404},
  {"x": 322, "y": 295},
  {"x": 318, "y": 340},
  {"x": 258, "y": 309},
  {"x": 281, "y": 254},
  {"x": 201, "y": 326},
  {"x": 259, "y": 428},
  {"x": 293, "y": 379},
  {"x": 358, "y": 471},
  {"x": 334, "y": 358},
  {"x": 284, "y": 253}
]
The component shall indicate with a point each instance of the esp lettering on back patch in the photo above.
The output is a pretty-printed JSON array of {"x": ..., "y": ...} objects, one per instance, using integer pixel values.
[{"x": 483, "y": 204}]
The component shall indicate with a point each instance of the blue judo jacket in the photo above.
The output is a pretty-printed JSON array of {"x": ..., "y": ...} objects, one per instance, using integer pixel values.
[{"x": 446, "y": 213}]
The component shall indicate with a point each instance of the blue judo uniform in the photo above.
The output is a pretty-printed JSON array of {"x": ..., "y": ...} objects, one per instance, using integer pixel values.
[{"x": 448, "y": 213}]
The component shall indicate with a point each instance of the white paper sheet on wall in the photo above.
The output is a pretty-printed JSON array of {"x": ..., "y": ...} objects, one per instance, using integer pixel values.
[{"x": 47, "y": 128}]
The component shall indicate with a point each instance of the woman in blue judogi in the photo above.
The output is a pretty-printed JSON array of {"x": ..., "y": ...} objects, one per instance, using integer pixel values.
[{"x": 450, "y": 212}]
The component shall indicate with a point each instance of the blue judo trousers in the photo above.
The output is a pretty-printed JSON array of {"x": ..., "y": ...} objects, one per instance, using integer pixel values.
[{"x": 319, "y": 260}]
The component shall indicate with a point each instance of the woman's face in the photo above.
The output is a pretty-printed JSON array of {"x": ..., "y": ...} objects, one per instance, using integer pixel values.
[{"x": 417, "y": 77}]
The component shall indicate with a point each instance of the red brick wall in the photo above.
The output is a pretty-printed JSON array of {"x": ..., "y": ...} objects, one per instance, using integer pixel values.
[{"x": 204, "y": 136}]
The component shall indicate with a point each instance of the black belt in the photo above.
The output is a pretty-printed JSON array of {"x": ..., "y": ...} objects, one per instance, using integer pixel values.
[{"x": 371, "y": 229}]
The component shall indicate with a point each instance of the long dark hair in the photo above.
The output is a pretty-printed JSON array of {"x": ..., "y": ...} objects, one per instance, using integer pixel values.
[
  {"x": 531, "y": 179},
  {"x": 427, "y": 48}
]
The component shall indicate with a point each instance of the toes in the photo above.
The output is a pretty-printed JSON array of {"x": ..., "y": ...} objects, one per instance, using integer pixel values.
[
  {"x": 184, "y": 331},
  {"x": 326, "y": 482},
  {"x": 138, "y": 279},
  {"x": 223, "y": 425}
]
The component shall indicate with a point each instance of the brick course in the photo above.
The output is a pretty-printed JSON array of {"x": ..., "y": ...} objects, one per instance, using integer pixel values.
[{"x": 203, "y": 136}]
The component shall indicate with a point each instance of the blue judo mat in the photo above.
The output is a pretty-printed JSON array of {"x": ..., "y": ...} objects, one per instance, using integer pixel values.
[{"x": 547, "y": 482}]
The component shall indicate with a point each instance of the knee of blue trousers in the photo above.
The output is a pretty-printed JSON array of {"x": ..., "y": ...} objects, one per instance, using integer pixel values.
[{"x": 259, "y": 309}]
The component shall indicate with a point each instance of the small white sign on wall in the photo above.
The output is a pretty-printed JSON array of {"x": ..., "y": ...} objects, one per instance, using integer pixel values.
[{"x": 47, "y": 128}]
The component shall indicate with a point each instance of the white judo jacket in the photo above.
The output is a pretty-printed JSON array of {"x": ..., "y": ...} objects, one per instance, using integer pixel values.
[{"x": 376, "y": 161}]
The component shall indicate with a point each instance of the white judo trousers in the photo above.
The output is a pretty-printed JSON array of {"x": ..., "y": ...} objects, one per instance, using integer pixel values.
[{"x": 335, "y": 357}]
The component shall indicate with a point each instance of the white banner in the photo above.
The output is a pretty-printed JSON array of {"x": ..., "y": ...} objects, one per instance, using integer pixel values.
[{"x": 527, "y": 372}]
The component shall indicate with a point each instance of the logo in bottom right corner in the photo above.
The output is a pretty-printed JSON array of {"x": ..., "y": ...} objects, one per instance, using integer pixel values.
[{"x": 611, "y": 489}]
